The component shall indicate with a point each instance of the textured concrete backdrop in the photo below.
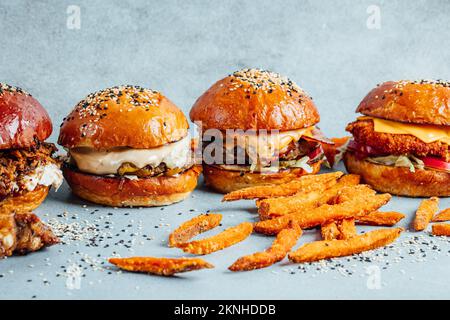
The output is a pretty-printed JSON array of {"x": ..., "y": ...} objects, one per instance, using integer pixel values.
[{"x": 182, "y": 47}]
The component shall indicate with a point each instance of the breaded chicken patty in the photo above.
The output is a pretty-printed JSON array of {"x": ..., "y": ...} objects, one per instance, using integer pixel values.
[{"x": 396, "y": 144}]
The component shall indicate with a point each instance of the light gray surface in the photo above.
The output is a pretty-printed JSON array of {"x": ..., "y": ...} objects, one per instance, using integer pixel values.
[{"x": 180, "y": 48}]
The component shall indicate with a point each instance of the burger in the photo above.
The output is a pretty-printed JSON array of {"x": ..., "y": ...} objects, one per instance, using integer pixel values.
[
  {"x": 28, "y": 166},
  {"x": 128, "y": 146},
  {"x": 257, "y": 128},
  {"x": 401, "y": 143}
]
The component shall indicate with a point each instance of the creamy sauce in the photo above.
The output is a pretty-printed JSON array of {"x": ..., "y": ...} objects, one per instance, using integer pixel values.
[
  {"x": 48, "y": 175},
  {"x": 264, "y": 146},
  {"x": 174, "y": 155}
]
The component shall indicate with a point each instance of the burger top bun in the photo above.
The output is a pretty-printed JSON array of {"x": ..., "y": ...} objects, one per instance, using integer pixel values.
[
  {"x": 123, "y": 116},
  {"x": 255, "y": 99},
  {"x": 23, "y": 120},
  {"x": 421, "y": 102}
]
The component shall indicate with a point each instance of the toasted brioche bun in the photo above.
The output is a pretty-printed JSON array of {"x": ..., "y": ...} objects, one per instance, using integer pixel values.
[
  {"x": 23, "y": 120},
  {"x": 225, "y": 181},
  {"x": 255, "y": 99},
  {"x": 26, "y": 202},
  {"x": 122, "y": 192},
  {"x": 399, "y": 181},
  {"x": 125, "y": 116},
  {"x": 424, "y": 102}
]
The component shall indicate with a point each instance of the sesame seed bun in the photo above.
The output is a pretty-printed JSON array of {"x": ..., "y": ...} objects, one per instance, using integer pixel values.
[
  {"x": 122, "y": 192},
  {"x": 421, "y": 102},
  {"x": 23, "y": 120},
  {"x": 399, "y": 181},
  {"x": 25, "y": 202},
  {"x": 225, "y": 181},
  {"x": 255, "y": 99},
  {"x": 123, "y": 116}
]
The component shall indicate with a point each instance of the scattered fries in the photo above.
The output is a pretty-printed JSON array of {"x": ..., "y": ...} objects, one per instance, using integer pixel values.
[
  {"x": 306, "y": 183},
  {"x": 160, "y": 266},
  {"x": 425, "y": 213},
  {"x": 276, "y": 207},
  {"x": 359, "y": 206},
  {"x": 378, "y": 218},
  {"x": 441, "y": 229},
  {"x": 319, "y": 250},
  {"x": 284, "y": 242},
  {"x": 220, "y": 241},
  {"x": 444, "y": 215},
  {"x": 194, "y": 227}
]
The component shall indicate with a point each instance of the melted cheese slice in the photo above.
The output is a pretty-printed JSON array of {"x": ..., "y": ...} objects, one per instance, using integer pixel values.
[
  {"x": 174, "y": 155},
  {"x": 264, "y": 145},
  {"x": 424, "y": 132}
]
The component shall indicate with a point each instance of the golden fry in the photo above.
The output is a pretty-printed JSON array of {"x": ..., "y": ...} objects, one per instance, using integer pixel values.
[
  {"x": 441, "y": 229},
  {"x": 378, "y": 218},
  {"x": 319, "y": 250},
  {"x": 360, "y": 205},
  {"x": 303, "y": 202},
  {"x": 444, "y": 215},
  {"x": 425, "y": 213},
  {"x": 329, "y": 231},
  {"x": 160, "y": 266},
  {"x": 220, "y": 241},
  {"x": 347, "y": 229},
  {"x": 193, "y": 227},
  {"x": 306, "y": 183},
  {"x": 284, "y": 242}
]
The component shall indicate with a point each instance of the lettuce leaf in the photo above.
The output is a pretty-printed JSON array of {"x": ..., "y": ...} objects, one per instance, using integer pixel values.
[{"x": 406, "y": 161}]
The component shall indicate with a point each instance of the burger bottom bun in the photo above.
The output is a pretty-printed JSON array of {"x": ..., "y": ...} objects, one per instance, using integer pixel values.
[
  {"x": 123, "y": 192},
  {"x": 225, "y": 181},
  {"x": 399, "y": 181},
  {"x": 24, "y": 202}
]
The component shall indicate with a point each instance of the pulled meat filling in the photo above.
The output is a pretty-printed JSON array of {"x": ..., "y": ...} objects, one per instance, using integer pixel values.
[{"x": 15, "y": 164}]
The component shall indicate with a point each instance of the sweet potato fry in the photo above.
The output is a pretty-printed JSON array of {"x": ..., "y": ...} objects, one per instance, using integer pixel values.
[
  {"x": 306, "y": 183},
  {"x": 341, "y": 230},
  {"x": 193, "y": 227},
  {"x": 357, "y": 207},
  {"x": 319, "y": 250},
  {"x": 276, "y": 207},
  {"x": 378, "y": 218},
  {"x": 425, "y": 213},
  {"x": 160, "y": 266},
  {"x": 284, "y": 242},
  {"x": 444, "y": 215},
  {"x": 220, "y": 241},
  {"x": 330, "y": 231},
  {"x": 441, "y": 229},
  {"x": 347, "y": 229}
]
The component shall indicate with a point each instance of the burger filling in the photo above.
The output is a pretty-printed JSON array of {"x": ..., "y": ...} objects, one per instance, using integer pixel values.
[
  {"x": 417, "y": 147},
  {"x": 167, "y": 160},
  {"x": 25, "y": 169},
  {"x": 269, "y": 152}
]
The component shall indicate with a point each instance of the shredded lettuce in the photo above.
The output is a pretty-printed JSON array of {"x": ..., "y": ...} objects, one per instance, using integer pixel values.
[
  {"x": 300, "y": 163},
  {"x": 406, "y": 161}
]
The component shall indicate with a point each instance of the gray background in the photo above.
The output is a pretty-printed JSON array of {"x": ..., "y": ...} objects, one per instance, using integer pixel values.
[{"x": 181, "y": 48}]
